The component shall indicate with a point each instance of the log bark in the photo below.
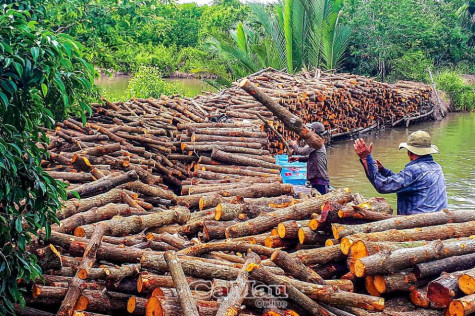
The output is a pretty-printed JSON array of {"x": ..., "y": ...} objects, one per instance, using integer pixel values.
[
  {"x": 319, "y": 255},
  {"x": 187, "y": 302},
  {"x": 396, "y": 260},
  {"x": 422, "y": 233},
  {"x": 444, "y": 289},
  {"x": 405, "y": 222},
  {"x": 103, "y": 184},
  {"x": 88, "y": 259},
  {"x": 402, "y": 281},
  {"x": 295, "y": 267},
  {"x": 231, "y": 305},
  {"x": 49, "y": 258},
  {"x": 466, "y": 281},
  {"x": 120, "y": 226},
  {"x": 450, "y": 264},
  {"x": 235, "y": 159},
  {"x": 302, "y": 210},
  {"x": 462, "y": 306}
]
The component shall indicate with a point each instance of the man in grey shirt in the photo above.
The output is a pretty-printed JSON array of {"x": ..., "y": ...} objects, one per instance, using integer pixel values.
[{"x": 316, "y": 158}]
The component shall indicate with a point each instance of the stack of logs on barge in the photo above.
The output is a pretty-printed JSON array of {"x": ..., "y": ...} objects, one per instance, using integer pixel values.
[{"x": 169, "y": 214}]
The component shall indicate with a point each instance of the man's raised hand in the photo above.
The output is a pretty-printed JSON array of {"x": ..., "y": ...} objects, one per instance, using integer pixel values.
[{"x": 361, "y": 149}]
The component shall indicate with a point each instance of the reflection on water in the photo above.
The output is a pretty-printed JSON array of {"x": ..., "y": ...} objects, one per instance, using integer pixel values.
[
  {"x": 115, "y": 88},
  {"x": 455, "y": 137}
]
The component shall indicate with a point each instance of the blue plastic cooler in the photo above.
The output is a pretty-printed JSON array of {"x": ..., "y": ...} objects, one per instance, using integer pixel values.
[{"x": 292, "y": 172}]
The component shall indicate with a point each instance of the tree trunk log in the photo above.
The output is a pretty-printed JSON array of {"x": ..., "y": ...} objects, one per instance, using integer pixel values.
[
  {"x": 396, "y": 260},
  {"x": 450, "y": 264},
  {"x": 462, "y": 306},
  {"x": 466, "y": 281},
  {"x": 405, "y": 222},
  {"x": 444, "y": 289},
  {"x": 103, "y": 184},
  {"x": 187, "y": 302},
  {"x": 295, "y": 267},
  {"x": 267, "y": 221},
  {"x": 421, "y": 233},
  {"x": 88, "y": 259},
  {"x": 120, "y": 226},
  {"x": 235, "y": 159}
]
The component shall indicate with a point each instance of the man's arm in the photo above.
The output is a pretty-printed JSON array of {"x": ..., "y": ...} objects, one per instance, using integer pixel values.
[{"x": 390, "y": 182}]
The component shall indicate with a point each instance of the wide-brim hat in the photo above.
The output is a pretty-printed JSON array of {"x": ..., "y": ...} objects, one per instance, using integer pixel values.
[{"x": 419, "y": 143}]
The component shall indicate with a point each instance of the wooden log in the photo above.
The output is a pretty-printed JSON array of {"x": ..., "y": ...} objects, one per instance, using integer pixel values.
[
  {"x": 298, "y": 211},
  {"x": 213, "y": 230},
  {"x": 462, "y": 306},
  {"x": 174, "y": 240},
  {"x": 319, "y": 255},
  {"x": 232, "y": 245},
  {"x": 255, "y": 190},
  {"x": 232, "y": 149},
  {"x": 114, "y": 273},
  {"x": 235, "y": 170},
  {"x": 292, "y": 122},
  {"x": 120, "y": 226},
  {"x": 147, "y": 282},
  {"x": 74, "y": 206},
  {"x": 103, "y": 184},
  {"x": 466, "y": 281},
  {"x": 444, "y": 289},
  {"x": 239, "y": 290},
  {"x": 307, "y": 236},
  {"x": 402, "y": 281},
  {"x": 150, "y": 191},
  {"x": 450, "y": 264},
  {"x": 421, "y": 233},
  {"x": 28, "y": 311},
  {"x": 94, "y": 215},
  {"x": 295, "y": 267},
  {"x": 382, "y": 263},
  {"x": 235, "y": 159},
  {"x": 362, "y": 248},
  {"x": 187, "y": 302},
  {"x": 260, "y": 273},
  {"x": 88, "y": 259},
  {"x": 419, "y": 298},
  {"x": 49, "y": 257},
  {"x": 411, "y": 221}
]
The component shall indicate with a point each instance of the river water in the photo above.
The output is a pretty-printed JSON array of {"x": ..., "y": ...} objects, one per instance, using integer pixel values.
[{"x": 454, "y": 135}]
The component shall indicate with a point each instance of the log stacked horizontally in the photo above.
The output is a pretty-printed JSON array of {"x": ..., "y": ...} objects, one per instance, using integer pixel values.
[{"x": 195, "y": 219}]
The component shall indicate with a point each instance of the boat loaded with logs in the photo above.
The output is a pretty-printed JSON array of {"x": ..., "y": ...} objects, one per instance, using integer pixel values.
[{"x": 169, "y": 213}]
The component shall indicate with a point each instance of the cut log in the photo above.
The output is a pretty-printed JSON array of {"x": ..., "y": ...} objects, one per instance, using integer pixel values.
[
  {"x": 405, "y": 222},
  {"x": 302, "y": 210},
  {"x": 260, "y": 273},
  {"x": 49, "y": 257},
  {"x": 402, "y": 281},
  {"x": 94, "y": 215},
  {"x": 466, "y": 281},
  {"x": 231, "y": 306},
  {"x": 103, "y": 184},
  {"x": 462, "y": 306},
  {"x": 74, "y": 206},
  {"x": 88, "y": 259},
  {"x": 444, "y": 289},
  {"x": 421, "y": 233},
  {"x": 396, "y": 260},
  {"x": 319, "y": 255},
  {"x": 120, "y": 226},
  {"x": 187, "y": 302},
  {"x": 235, "y": 159},
  {"x": 450, "y": 264},
  {"x": 290, "y": 229},
  {"x": 295, "y": 267}
]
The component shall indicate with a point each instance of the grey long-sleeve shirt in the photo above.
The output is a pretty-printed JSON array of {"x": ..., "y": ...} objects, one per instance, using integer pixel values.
[{"x": 317, "y": 169}]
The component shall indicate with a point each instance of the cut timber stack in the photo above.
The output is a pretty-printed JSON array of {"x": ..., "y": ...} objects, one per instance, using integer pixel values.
[
  {"x": 344, "y": 103},
  {"x": 189, "y": 211}
]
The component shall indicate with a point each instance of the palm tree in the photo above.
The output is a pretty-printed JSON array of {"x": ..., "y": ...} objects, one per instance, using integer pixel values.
[
  {"x": 294, "y": 33},
  {"x": 467, "y": 14}
]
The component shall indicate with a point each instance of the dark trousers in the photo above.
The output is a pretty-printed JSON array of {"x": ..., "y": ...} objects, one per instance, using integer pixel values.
[{"x": 323, "y": 189}]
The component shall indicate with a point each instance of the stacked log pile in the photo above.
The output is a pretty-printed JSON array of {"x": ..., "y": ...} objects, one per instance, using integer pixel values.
[
  {"x": 169, "y": 214},
  {"x": 346, "y": 104}
]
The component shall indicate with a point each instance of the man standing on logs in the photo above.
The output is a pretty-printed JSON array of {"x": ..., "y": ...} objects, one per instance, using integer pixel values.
[
  {"x": 316, "y": 158},
  {"x": 420, "y": 186}
]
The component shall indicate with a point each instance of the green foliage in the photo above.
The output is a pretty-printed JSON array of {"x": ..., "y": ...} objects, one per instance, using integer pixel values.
[
  {"x": 411, "y": 66},
  {"x": 384, "y": 30},
  {"x": 42, "y": 76},
  {"x": 148, "y": 83},
  {"x": 293, "y": 33},
  {"x": 461, "y": 94}
]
